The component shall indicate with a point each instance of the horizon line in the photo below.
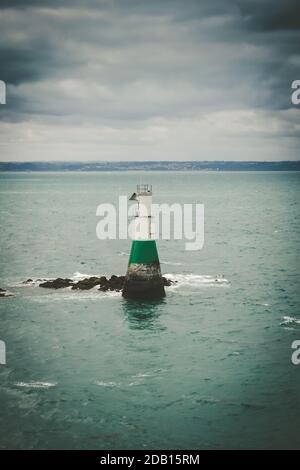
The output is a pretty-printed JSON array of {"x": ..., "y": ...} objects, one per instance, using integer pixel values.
[{"x": 144, "y": 161}]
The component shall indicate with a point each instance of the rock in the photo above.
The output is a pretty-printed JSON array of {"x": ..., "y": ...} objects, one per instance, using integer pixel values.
[
  {"x": 5, "y": 293},
  {"x": 168, "y": 282},
  {"x": 88, "y": 283},
  {"x": 114, "y": 283},
  {"x": 104, "y": 283},
  {"x": 104, "y": 288},
  {"x": 58, "y": 283}
]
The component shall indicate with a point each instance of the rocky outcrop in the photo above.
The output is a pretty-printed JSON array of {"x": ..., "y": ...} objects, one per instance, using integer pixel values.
[
  {"x": 58, "y": 283},
  {"x": 114, "y": 283}
]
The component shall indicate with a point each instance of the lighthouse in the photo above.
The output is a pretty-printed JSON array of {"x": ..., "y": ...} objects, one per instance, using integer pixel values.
[{"x": 143, "y": 278}]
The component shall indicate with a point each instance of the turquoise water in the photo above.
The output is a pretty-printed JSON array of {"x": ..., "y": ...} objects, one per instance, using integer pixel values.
[{"x": 208, "y": 367}]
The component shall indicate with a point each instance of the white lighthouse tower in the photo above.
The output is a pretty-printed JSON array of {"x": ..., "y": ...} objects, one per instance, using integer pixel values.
[
  {"x": 143, "y": 225},
  {"x": 143, "y": 279}
]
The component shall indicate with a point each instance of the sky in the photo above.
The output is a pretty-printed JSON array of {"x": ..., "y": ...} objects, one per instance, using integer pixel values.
[{"x": 149, "y": 80}]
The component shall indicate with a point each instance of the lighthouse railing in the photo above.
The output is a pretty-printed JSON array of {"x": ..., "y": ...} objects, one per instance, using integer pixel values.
[{"x": 144, "y": 188}]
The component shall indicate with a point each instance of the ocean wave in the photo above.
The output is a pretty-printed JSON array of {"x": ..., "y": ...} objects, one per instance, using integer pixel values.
[
  {"x": 7, "y": 293},
  {"x": 101, "y": 383},
  {"x": 138, "y": 379},
  {"x": 39, "y": 385},
  {"x": 290, "y": 321},
  {"x": 171, "y": 263},
  {"x": 68, "y": 294},
  {"x": 141, "y": 375},
  {"x": 32, "y": 282},
  {"x": 77, "y": 276},
  {"x": 137, "y": 382},
  {"x": 196, "y": 280}
]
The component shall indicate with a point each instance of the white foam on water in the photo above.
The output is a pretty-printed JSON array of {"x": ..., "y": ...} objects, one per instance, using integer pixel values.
[
  {"x": 77, "y": 276},
  {"x": 141, "y": 375},
  {"x": 7, "y": 293},
  {"x": 171, "y": 263},
  {"x": 101, "y": 383},
  {"x": 35, "y": 282},
  {"x": 196, "y": 280},
  {"x": 39, "y": 385},
  {"x": 290, "y": 321},
  {"x": 95, "y": 294},
  {"x": 139, "y": 381},
  {"x": 135, "y": 383},
  {"x": 67, "y": 294}
]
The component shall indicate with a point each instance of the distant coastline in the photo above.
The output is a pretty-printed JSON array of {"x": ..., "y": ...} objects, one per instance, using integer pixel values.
[{"x": 152, "y": 166}]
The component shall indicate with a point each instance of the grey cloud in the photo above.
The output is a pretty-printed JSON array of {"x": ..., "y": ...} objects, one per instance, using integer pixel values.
[{"x": 126, "y": 62}]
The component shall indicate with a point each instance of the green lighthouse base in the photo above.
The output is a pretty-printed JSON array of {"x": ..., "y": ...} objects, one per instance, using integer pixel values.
[{"x": 143, "y": 280}]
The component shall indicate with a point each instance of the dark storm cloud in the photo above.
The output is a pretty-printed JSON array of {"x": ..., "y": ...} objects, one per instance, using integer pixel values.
[
  {"x": 276, "y": 24},
  {"x": 271, "y": 14},
  {"x": 31, "y": 62},
  {"x": 12, "y": 4}
]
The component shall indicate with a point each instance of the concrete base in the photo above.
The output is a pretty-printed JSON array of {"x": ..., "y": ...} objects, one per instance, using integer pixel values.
[{"x": 144, "y": 281}]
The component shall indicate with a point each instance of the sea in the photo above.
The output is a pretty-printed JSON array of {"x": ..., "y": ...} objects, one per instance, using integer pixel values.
[{"x": 207, "y": 367}]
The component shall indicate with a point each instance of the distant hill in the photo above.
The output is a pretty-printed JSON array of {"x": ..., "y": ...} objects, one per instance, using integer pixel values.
[{"x": 151, "y": 166}]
